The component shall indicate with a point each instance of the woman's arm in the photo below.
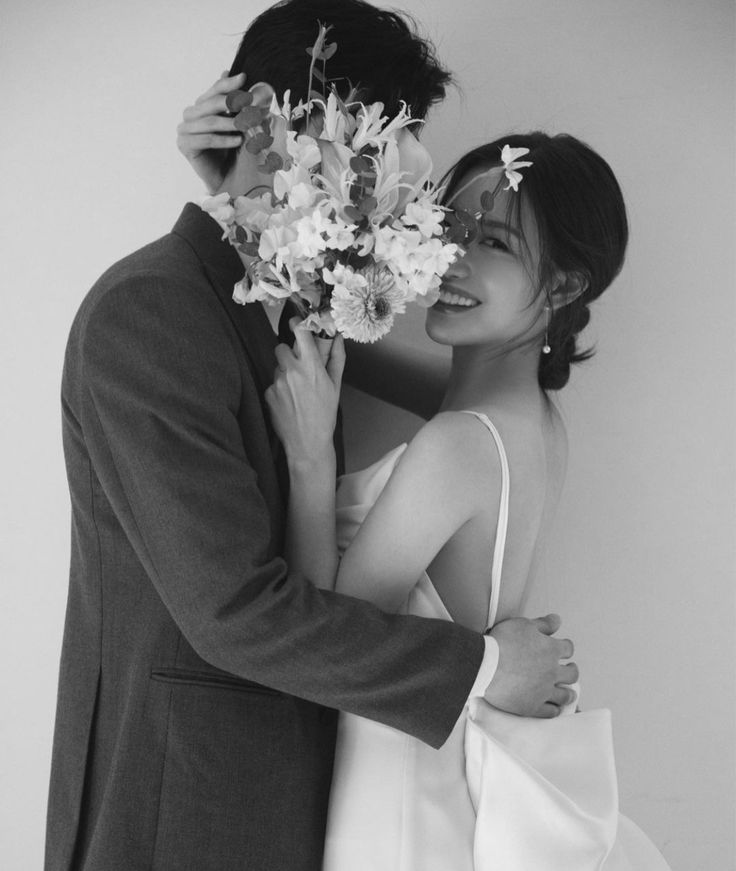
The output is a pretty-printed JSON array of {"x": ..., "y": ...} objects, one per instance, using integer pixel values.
[
  {"x": 303, "y": 402},
  {"x": 431, "y": 494}
]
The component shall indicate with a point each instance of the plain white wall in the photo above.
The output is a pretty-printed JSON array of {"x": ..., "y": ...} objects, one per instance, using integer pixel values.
[{"x": 642, "y": 568}]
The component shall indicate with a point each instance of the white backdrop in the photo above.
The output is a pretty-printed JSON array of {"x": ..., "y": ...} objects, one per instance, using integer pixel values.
[{"x": 642, "y": 568}]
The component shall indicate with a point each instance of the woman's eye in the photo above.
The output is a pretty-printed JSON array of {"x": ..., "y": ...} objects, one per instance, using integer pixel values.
[{"x": 495, "y": 242}]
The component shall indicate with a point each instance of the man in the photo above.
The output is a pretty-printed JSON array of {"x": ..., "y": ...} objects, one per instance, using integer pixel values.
[{"x": 199, "y": 681}]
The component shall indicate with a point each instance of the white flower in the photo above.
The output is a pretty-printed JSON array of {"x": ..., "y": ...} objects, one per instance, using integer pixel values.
[
  {"x": 335, "y": 124},
  {"x": 425, "y": 216},
  {"x": 275, "y": 244},
  {"x": 302, "y": 195},
  {"x": 511, "y": 165},
  {"x": 375, "y": 129},
  {"x": 364, "y": 309},
  {"x": 344, "y": 276},
  {"x": 320, "y": 322},
  {"x": 309, "y": 235},
  {"x": 253, "y": 213},
  {"x": 403, "y": 169},
  {"x": 396, "y": 245},
  {"x": 303, "y": 149},
  {"x": 335, "y": 170},
  {"x": 285, "y": 180},
  {"x": 220, "y": 207},
  {"x": 370, "y": 122}
]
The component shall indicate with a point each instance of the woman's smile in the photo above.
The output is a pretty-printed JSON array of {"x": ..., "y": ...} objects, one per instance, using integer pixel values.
[{"x": 452, "y": 299}]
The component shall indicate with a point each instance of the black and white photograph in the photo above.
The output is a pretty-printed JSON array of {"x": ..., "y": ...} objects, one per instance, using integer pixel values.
[{"x": 369, "y": 435}]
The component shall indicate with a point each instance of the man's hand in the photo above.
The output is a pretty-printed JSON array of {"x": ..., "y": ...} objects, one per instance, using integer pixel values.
[
  {"x": 206, "y": 130},
  {"x": 530, "y": 680}
]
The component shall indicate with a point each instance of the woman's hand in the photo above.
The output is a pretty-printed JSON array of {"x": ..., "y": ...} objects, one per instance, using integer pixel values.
[
  {"x": 205, "y": 131},
  {"x": 304, "y": 396}
]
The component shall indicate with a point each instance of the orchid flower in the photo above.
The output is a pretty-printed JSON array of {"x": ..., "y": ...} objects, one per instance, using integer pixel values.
[{"x": 511, "y": 165}]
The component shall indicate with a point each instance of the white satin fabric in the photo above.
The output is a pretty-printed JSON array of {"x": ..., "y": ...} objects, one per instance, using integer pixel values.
[{"x": 504, "y": 793}]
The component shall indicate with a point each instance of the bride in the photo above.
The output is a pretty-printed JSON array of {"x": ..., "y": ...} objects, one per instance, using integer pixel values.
[{"x": 456, "y": 520}]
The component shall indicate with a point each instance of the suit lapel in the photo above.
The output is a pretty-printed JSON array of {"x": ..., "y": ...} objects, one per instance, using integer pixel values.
[{"x": 224, "y": 269}]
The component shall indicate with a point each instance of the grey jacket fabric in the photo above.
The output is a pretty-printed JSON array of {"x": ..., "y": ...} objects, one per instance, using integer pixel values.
[{"x": 199, "y": 680}]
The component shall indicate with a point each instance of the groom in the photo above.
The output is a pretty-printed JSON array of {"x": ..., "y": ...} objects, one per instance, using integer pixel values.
[{"x": 200, "y": 680}]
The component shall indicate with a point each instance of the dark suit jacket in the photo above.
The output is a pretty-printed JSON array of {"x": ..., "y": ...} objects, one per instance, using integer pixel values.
[{"x": 199, "y": 681}]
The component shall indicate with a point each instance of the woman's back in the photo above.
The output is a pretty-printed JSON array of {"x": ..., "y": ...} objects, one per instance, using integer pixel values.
[{"x": 535, "y": 444}]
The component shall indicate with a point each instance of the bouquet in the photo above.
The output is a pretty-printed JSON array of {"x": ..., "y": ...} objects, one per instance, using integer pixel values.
[{"x": 349, "y": 228}]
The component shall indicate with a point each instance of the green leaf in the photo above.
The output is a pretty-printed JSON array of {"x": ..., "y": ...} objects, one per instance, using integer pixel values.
[
  {"x": 237, "y": 100},
  {"x": 328, "y": 51},
  {"x": 252, "y": 116},
  {"x": 368, "y": 205},
  {"x": 274, "y": 161},
  {"x": 360, "y": 164},
  {"x": 353, "y": 213},
  {"x": 250, "y": 249},
  {"x": 258, "y": 143},
  {"x": 486, "y": 201}
]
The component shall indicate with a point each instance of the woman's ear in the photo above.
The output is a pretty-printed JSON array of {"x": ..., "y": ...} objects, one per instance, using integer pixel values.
[
  {"x": 568, "y": 287},
  {"x": 263, "y": 93}
]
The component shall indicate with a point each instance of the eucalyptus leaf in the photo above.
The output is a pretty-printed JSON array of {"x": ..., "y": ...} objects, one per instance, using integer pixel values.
[
  {"x": 237, "y": 100},
  {"x": 250, "y": 249},
  {"x": 258, "y": 143},
  {"x": 274, "y": 161},
  {"x": 368, "y": 205},
  {"x": 252, "y": 116}
]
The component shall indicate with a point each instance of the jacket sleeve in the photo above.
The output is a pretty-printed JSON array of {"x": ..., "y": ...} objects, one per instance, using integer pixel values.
[{"x": 160, "y": 390}]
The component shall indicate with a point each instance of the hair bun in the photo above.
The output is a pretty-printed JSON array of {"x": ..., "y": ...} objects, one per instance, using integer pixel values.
[{"x": 554, "y": 368}]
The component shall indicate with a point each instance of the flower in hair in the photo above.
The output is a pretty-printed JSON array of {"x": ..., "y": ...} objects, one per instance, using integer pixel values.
[{"x": 511, "y": 165}]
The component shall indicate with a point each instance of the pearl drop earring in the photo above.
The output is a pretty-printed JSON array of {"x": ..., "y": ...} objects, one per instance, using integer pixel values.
[{"x": 545, "y": 347}]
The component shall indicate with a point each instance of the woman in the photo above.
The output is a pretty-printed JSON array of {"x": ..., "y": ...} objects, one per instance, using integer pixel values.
[{"x": 475, "y": 489}]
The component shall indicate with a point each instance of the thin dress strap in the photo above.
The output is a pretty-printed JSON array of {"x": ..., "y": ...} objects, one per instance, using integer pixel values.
[{"x": 503, "y": 518}]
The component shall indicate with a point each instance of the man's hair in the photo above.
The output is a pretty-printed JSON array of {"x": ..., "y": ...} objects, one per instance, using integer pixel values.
[{"x": 378, "y": 52}]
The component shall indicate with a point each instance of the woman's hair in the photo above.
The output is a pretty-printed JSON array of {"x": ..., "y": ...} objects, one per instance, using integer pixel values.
[
  {"x": 581, "y": 220},
  {"x": 379, "y": 52}
]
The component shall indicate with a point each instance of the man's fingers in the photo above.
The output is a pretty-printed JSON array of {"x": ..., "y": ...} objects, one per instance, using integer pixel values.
[
  {"x": 548, "y": 711},
  {"x": 568, "y": 673},
  {"x": 208, "y": 124},
  {"x": 197, "y": 142},
  {"x": 548, "y": 625},
  {"x": 213, "y": 106},
  {"x": 566, "y": 648},
  {"x": 223, "y": 85},
  {"x": 561, "y": 696}
]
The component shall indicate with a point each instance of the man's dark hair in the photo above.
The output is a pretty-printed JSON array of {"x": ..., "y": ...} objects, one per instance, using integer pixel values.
[{"x": 378, "y": 52}]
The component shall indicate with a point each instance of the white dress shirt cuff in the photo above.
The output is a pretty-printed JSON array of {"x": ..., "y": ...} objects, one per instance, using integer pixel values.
[{"x": 487, "y": 667}]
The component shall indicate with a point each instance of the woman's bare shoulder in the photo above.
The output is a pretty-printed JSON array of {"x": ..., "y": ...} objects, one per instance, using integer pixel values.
[{"x": 457, "y": 449}]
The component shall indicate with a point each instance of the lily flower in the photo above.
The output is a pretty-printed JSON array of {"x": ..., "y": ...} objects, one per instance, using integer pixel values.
[{"x": 511, "y": 165}]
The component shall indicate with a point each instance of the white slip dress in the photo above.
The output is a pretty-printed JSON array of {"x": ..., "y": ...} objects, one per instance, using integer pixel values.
[{"x": 503, "y": 793}]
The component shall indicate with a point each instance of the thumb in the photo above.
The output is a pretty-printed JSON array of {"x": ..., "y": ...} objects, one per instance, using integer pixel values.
[
  {"x": 336, "y": 363},
  {"x": 548, "y": 625}
]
